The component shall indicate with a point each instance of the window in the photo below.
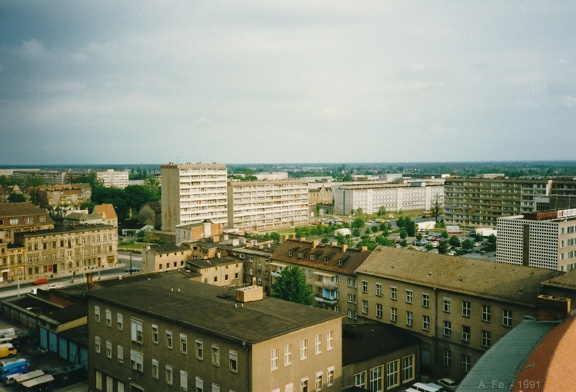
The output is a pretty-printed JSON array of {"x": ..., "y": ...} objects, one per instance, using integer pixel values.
[
  {"x": 352, "y": 298},
  {"x": 318, "y": 344},
  {"x": 409, "y": 296},
  {"x": 426, "y": 323},
  {"x": 155, "y": 369},
  {"x": 120, "y": 353},
  {"x": 447, "y": 328},
  {"x": 409, "y": 319},
  {"x": 274, "y": 359},
  {"x": 379, "y": 289},
  {"x": 318, "y": 381},
  {"x": 304, "y": 385},
  {"x": 330, "y": 376},
  {"x": 216, "y": 387},
  {"x": 109, "y": 349},
  {"x": 233, "y": 361},
  {"x": 287, "y": 354},
  {"x": 393, "y": 293},
  {"x": 376, "y": 378},
  {"x": 392, "y": 379},
  {"x": 136, "y": 330},
  {"x": 507, "y": 318},
  {"x": 465, "y": 309},
  {"x": 486, "y": 339},
  {"x": 408, "y": 368},
  {"x": 447, "y": 358},
  {"x": 465, "y": 333},
  {"x": 393, "y": 315},
  {"x": 97, "y": 314},
  {"x": 183, "y": 343},
  {"x": 199, "y": 349},
  {"x": 364, "y": 306},
  {"x": 120, "y": 321},
  {"x": 486, "y": 313},
  {"x": 98, "y": 380},
  {"x": 97, "y": 344},
  {"x": 365, "y": 287},
  {"x": 378, "y": 310},
  {"x": 360, "y": 379},
  {"x": 137, "y": 361},
  {"x": 183, "y": 381},
  {"x": 425, "y": 300},
  {"x": 465, "y": 363},
  {"x": 447, "y": 305},
  {"x": 289, "y": 387},
  {"x": 155, "y": 336},
  {"x": 303, "y": 348},
  {"x": 169, "y": 341},
  {"x": 330, "y": 340},
  {"x": 199, "y": 385},
  {"x": 169, "y": 375},
  {"x": 108, "y": 318},
  {"x": 215, "y": 355}
]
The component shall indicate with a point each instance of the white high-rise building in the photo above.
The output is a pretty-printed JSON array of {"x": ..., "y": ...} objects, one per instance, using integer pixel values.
[
  {"x": 193, "y": 193},
  {"x": 114, "y": 179},
  {"x": 545, "y": 239}
]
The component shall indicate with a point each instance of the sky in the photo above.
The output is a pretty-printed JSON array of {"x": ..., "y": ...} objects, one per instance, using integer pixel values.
[{"x": 152, "y": 82}]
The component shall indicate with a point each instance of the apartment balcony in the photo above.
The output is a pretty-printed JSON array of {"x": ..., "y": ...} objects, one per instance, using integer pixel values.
[
  {"x": 328, "y": 301},
  {"x": 325, "y": 280}
]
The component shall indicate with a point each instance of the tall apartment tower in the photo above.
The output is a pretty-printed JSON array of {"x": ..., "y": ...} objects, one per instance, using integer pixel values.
[
  {"x": 544, "y": 239},
  {"x": 192, "y": 193}
]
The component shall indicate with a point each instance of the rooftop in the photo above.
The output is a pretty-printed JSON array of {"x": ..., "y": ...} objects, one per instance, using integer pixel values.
[
  {"x": 487, "y": 279},
  {"x": 213, "y": 309}
]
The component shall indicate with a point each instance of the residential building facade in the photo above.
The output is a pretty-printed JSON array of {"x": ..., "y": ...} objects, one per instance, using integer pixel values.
[
  {"x": 458, "y": 307},
  {"x": 192, "y": 193},
  {"x": 545, "y": 239},
  {"x": 267, "y": 205},
  {"x": 164, "y": 257},
  {"x": 142, "y": 340},
  {"x": 114, "y": 179},
  {"x": 329, "y": 269},
  {"x": 394, "y": 197}
]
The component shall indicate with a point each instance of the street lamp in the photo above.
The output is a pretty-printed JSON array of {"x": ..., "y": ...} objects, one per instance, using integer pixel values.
[{"x": 19, "y": 272}]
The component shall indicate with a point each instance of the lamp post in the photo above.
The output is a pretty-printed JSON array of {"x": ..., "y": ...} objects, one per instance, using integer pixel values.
[{"x": 18, "y": 273}]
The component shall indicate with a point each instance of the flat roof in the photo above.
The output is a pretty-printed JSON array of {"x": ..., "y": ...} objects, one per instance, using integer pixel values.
[
  {"x": 213, "y": 309},
  {"x": 481, "y": 278}
]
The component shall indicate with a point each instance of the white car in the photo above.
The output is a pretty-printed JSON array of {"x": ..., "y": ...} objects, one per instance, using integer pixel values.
[{"x": 448, "y": 383}]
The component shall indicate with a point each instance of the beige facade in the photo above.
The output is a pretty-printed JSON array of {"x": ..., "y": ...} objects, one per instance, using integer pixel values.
[
  {"x": 458, "y": 307},
  {"x": 267, "y": 205},
  {"x": 74, "y": 250},
  {"x": 394, "y": 197},
  {"x": 220, "y": 271},
  {"x": 165, "y": 257},
  {"x": 142, "y": 340},
  {"x": 192, "y": 193},
  {"x": 545, "y": 239},
  {"x": 114, "y": 179},
  {"x": 329, "y": 269}
]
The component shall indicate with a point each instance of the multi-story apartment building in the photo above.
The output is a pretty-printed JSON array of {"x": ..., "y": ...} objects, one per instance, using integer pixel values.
[
  {"x": 458, "y": 307},
  {"x": 63, "y": 197},
  {"x": 197, "y": 231},
  {"x": 114, "y": 179},
  {"x": 164, "y": 257},
  {"x": 70, "y": 250},
  {"x": 223, "y": 271},
  {"x": 192, "y": 193},
  {"x": 267, "y": 205},
  {"x": 480, "y": 201},
  {"x": 50, "y": 177},
  {"x": 329, "y": 269},
  {"x": 21, "y": 217},
  {"x": 545, "y": 239},
  {"x": 394, "y": 197},
  {"x": 170, "y": 333}
]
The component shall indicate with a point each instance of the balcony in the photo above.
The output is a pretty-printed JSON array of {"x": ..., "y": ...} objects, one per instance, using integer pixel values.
[
  {"x": 325, "y": 280},
  {"x": 328, "y": 301}
]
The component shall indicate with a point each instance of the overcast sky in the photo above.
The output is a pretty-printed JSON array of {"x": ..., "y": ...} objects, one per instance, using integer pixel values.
[{"x": 96, "y": 82}]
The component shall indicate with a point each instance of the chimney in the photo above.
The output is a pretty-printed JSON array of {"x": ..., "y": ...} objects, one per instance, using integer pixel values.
[
  {"x": 315, "y": 244},
  {"x": 550, "y": 308},
  {"x": 344, "y": 247},
  {"x": 249, "y": 294},
  {"x": 364, "y": 248}
]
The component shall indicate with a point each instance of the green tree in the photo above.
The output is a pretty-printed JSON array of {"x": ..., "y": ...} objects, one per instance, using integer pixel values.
[
  {"x": 443, "y": 247},
  {"x": 491, "y": 247},
  {"x": 467, "y": 244},
  {"x": 275, "y": 237},
  {"x": 403, "y": 234},
  {"x": 291, "y": 286},
  {"x": 16, "y": 198},
  {"x": 436, "y": 209},
  {"x": 454, "y": 241},
  {"x": 358, "y": 223},
  {"x": 381, "y": 211}
]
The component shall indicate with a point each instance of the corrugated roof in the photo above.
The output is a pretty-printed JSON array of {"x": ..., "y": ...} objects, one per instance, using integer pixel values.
[
  {"x": 172, "y": 296},
  {"x": 498, "y": 367},
  {"x": 487, "y": 279}
]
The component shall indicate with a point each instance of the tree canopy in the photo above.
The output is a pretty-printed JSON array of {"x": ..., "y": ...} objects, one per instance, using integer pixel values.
[{"x": 291, "y": 286}]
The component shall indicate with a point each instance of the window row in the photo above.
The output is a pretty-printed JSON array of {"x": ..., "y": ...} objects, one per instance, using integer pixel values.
[
  {"x": 287, "y": 352},
  {"x": 399, "y": 371}
]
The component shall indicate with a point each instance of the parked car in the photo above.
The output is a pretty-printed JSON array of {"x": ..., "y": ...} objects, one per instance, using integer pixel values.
[
  {"x": 133, "y": 269},
  {"x": 40, "y": 281},
  {"x": 448, "y": 383}
]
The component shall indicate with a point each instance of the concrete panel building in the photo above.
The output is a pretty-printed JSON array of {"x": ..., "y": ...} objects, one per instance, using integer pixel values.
[
  {"x": 114, "y": 179},
  {"x": 192, "y": 193},
  {"x": 170, "y": 333},
  {"x": 545, "y": 239},
  {"x": 267, "y": 205}
]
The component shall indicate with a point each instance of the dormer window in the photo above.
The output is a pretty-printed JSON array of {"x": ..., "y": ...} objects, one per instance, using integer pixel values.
[
  {"x": 312, "y": 257},
  {"x": 289, "y": 253}
]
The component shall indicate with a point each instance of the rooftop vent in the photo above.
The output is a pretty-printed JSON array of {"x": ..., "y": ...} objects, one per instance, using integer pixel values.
[{"x": 249, "y": 294}]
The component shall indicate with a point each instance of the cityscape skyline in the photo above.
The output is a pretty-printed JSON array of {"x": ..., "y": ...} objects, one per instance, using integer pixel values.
[{"x": 92, "y": 83}]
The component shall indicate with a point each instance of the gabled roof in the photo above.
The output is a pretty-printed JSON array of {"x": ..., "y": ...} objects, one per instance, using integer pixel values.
[
  {"x": 481, "y": 278},
  {"x": 106, "y": 210},
  {"x": 154, "y": 205},
  {"x": 312, "y": 254}
]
